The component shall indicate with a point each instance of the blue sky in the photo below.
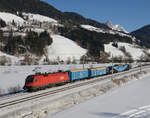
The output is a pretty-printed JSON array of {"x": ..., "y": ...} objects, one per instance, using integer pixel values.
[{"x": 131, "y": 14}]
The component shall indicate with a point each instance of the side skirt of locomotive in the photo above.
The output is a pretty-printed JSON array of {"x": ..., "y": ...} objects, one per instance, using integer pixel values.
[{"x": 34, "y": 89}]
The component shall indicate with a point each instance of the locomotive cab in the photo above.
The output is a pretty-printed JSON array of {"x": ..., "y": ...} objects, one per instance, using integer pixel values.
[{"x": 29, "y": 82}]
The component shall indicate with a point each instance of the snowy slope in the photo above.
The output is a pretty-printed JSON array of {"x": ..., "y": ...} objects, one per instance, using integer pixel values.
[
  {"x": 39, "y": 17},
  {"x": 11, "y": 59},
  {"x": 115, "y": 27},
  {"x": 64, "y": 48},
  {"x": 132, "y": 49},
  {"x": 129, "y": 101},
  {"x": 8, "y": 18},
  {"x": 113, "y": 50}
]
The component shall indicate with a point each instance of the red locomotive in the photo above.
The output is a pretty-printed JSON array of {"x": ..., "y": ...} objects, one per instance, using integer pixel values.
[{"x": 41, "y": 81}]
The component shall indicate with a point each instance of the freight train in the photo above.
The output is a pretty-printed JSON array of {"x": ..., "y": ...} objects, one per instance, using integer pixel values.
[{"x": 45, "y": 80}]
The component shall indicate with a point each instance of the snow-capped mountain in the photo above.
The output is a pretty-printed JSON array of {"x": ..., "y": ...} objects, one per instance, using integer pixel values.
[
  {"x": 106, "y": 31},
  {"x": 116, "y": 27}
]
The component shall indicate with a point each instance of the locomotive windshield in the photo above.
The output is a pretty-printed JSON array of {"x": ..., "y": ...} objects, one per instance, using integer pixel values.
[{"x": 29, "y": 79}]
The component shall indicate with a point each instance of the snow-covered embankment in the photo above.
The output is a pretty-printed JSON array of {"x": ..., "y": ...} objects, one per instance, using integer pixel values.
[{"x": 66, "y": 99}]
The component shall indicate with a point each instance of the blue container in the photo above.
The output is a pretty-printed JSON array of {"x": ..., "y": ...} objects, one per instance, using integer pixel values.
[
  {"x": 93, "y": 72},
  {"x": 78, "y": 74}
]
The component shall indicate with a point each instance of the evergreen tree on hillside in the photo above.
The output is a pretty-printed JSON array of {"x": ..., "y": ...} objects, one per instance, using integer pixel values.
[
  {"x": 2, "y": 23},
  {"x": 1, "y": 39},
  {"x": 36, "y": 44}
]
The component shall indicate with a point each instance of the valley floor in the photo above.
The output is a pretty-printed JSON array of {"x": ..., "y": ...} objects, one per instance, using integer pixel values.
[{"x": 129, "y": 101}]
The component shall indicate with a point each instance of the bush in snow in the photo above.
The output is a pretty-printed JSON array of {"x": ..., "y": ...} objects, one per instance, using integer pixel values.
[
  {"x": 118, "y": 59},
  {"x": 145, "y": 57},
  {"x": 2, "y": 23},
  {"x": 29, "y": 60},
  {"x": 128, "y": 57},
  {"x": 104, "y": 57},
  {"x": 5, "y": 60},
  {"x": 52, "y": 62},
  {"x": 1, "y": 92},
  {"x": 68, "y": 60},
  {"x": 115, "y": 44},
  {"x": 123, "y": 49},
  {"x": 14, "y": 89},
  {"x": 84, "y": 59},
  {"x": 74, "y": 60}
]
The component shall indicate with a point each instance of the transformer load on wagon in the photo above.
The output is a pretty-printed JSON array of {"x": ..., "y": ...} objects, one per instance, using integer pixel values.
[{"x": 120, "y": 68}]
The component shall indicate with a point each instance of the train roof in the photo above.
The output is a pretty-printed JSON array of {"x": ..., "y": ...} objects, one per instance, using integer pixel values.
[
  {"x": 78, "y": 70},
  {"x": 99, "y": 68}
]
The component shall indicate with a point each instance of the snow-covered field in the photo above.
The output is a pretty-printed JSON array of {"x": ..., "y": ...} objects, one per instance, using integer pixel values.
[{"x": 128, "y": 101}]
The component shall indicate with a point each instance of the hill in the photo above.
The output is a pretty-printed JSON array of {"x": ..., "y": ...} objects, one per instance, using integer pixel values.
[
  {"x": 43, "y": 8},
  {"x": 32, "y": 24},
  {"x": 143, "y": 34}
]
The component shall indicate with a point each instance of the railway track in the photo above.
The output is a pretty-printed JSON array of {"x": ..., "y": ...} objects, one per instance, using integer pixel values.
[
  {"x": 10, "y": 96},
  {"x": 51, "y": 92}
]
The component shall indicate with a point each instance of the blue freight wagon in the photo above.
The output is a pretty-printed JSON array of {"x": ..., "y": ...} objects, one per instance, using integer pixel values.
[
  {"x": 121, "y": 68},
  {"x": 93, "y": 72},
  {"x": 78, "y": 74}
]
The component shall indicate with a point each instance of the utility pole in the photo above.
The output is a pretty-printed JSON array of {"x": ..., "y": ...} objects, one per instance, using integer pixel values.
[
  {"x": 140, "y": 66},
  {"x": 112, "y": 71},
  {"x": 83, "y": 60}
]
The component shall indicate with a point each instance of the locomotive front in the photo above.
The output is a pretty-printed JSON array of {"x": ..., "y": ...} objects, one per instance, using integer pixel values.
[{"x": 28, "y": 82}]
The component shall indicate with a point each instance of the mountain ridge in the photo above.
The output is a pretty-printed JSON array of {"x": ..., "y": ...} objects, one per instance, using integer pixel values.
[
  {"x": 143, "y": 35},
  {"x": 29, "y": 25},
  {"x": 43, "y": 8}
]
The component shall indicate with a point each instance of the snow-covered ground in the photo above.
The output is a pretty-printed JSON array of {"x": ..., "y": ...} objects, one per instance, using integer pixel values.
[
  {"x": 128, "y": 101},
  {"x": 132, "y": 49},
  {"x": 64, "y": 48},
  {"x": 11, "y": 59}
]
